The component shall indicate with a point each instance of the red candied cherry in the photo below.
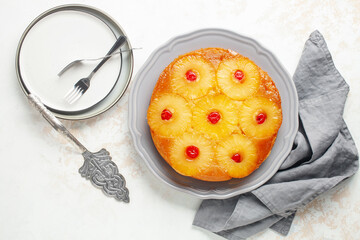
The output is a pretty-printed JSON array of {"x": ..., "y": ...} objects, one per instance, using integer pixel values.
[
  {"x": 214, "y": 117},
  {"x": 260, "y": 118},
  {"x": 192, "y": 151},
  {"x": 239, "y": 75},
  {"x": 191, "y": 76},
  {"x": 166, "y": 114},
  {"x": 236, "y": 157}
]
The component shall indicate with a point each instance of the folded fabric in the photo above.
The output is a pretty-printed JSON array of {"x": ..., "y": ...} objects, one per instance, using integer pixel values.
[{"x": 323, "y": 155}]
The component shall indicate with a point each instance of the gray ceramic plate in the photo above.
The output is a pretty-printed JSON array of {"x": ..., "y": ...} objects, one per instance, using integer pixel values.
[{"x": 146, "y": 79}]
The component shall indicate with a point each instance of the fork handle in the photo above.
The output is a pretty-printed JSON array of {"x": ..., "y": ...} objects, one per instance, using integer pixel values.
[
  {"x": 119, "y": 42},
  {"x": 54, "y": 122}
]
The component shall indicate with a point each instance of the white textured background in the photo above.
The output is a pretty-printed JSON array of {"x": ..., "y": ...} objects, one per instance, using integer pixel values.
[{"x": 42, "y": 196}]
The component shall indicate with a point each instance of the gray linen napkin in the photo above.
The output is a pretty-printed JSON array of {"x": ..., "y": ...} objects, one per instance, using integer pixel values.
[{"x": 323, "y": 155}]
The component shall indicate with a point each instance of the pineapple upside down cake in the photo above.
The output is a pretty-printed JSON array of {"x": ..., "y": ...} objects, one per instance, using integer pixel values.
[{"x": 214, "y": 115}]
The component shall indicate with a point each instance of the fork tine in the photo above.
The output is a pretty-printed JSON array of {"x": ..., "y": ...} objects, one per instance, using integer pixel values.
[
  {"x": 79, "y": 94},
  {"x": 73, "y": 94},
  {"x": 70, "y": 92},
  {"x": 70, "y": 96}
]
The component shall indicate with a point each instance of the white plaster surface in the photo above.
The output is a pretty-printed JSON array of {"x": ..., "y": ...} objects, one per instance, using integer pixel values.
[{"x": 42, "y": 195}]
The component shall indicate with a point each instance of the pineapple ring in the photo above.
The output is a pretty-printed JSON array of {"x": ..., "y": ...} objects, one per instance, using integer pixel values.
[
  {"x": 218, "y": 104},
  {"x": 204, "y": 80},
  {"x": 237, "y": 144},
  {"x": 180, "y": 112},
  {"x": 233, "y": 87},
  {"x": 189, "y": 166},
  {"x": 256, "y": 127}
]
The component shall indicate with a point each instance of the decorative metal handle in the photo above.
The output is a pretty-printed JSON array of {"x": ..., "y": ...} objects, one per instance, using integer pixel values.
[{"x": 36, "y": 102}]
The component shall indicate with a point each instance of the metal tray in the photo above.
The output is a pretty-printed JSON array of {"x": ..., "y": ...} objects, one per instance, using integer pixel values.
[{"x": 61, "y": 35}]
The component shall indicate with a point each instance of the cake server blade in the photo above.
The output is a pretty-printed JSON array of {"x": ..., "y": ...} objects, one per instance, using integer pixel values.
[{"x": 98, "y": 167}]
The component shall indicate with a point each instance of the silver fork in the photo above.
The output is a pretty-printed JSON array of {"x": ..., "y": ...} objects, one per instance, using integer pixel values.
[
  {"x": 83, "y": 84},
  {"x": 78, "y": 61}
]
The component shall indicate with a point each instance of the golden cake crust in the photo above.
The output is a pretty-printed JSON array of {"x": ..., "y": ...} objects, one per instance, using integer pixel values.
[{"x": 215, "y": 56}]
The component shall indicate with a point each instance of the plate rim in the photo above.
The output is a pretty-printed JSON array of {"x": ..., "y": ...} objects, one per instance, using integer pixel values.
[
  {"x": 78, "y": 115},
  {"x": 167, "y": 46}
]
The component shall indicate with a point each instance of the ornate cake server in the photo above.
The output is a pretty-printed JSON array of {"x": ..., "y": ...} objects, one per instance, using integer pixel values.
[{"x": 98, "y": 167}]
